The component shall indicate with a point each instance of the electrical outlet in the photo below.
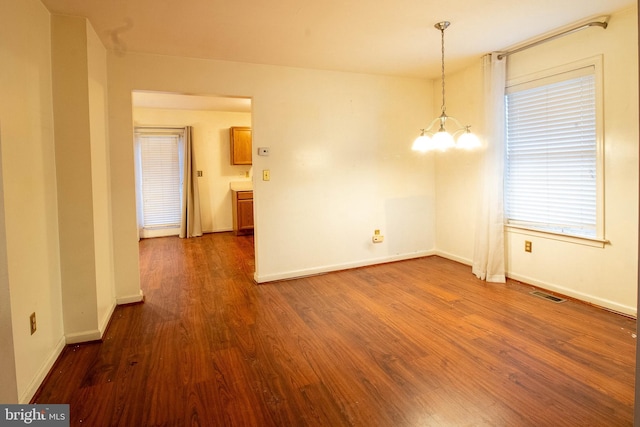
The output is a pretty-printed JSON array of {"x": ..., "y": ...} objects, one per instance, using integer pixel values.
[
  {"x": 377, "y": 237},
  {"x": 527, "y": 246},
  {"x": 32, "y": 323}
]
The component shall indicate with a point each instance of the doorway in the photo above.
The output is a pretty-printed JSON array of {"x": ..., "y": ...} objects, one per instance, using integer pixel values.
[{"x": 211, "y": 118}]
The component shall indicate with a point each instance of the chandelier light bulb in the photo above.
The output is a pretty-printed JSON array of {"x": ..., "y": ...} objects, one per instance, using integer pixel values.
[
  {"x": 421, "y": 143},
  {"x": 442, "y": 140},
  {"x": 468, "y": 140}
]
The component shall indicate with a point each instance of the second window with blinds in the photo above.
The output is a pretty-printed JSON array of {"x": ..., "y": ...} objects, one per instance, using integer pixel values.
[
  {"x": 159, "y": 181},
  {"x": 554, "y": 156}
]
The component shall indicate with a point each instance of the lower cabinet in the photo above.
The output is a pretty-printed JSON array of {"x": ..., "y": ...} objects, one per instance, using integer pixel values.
[{"x": 242, "y": 209}]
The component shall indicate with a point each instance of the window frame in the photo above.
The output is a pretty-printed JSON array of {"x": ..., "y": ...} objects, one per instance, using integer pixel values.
[
  {"x": 140, "y": 132},
  {"x": 548, "y": 76}
]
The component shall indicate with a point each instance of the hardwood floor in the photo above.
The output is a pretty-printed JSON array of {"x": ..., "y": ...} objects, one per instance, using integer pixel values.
[{"x": 412, "y": 343}]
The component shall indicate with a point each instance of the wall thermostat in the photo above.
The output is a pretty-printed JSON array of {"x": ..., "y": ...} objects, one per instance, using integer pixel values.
[{"x": 263, "y": 151}]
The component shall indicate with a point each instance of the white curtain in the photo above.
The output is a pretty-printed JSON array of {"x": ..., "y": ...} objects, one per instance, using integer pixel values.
[
  {"x": 488, "y": 257},
  {"x": 190, "y": 225}
]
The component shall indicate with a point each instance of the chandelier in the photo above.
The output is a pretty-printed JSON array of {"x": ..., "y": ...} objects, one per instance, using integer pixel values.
[{"x": 442, "y": 139}]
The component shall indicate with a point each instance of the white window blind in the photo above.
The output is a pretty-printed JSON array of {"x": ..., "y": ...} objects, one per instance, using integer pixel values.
[
  {"x": 161, "y": 183},
  {"x": 551, "y": 155}
]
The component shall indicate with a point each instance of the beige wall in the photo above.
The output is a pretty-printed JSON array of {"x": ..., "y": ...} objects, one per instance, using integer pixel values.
[
  {"x": 75, "y": 177},
  {"x": 56, "y": 229},
  {"x": 605, "y": 276},
  {"x": 340, "y": 160},
  {"x": 9, "y": 390},
  {"x": 457, "y": 171},
  {"x": 100, "y": 178},
  {"x": 73, "y": 173},
  {"x": 29, "y": 185},
  {"x": 211, "y": 148}
]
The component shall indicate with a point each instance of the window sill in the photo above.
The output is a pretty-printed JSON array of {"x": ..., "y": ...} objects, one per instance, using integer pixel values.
[{"x": 578, "y": 240}]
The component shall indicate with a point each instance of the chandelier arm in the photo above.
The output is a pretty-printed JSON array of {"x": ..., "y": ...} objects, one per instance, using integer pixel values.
[
  {"x": 459, "y": 131},
  {"x": 433, "y": 122},
  {"x": 457, "y": 122}
]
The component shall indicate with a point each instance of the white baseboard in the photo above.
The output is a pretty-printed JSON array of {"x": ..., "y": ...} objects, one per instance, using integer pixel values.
[
  {"x": 600, "y": 302},
  {"x": 84, "y": 336},
  {"x": 42, "y": 372},
  {"x": 453, "y": 257},
  {"x": 95, "y": 335},
  {"x": 131, "y": 299},
  {"x": 102, "y": 325},
  {"x": 150, "y": 234},
  {"x": 294, "y": 274},
  {"x": 219, "y": 230}
]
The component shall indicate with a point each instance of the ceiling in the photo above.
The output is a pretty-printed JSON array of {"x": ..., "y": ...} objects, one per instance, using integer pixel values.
[{"x": 382, "y": 37}]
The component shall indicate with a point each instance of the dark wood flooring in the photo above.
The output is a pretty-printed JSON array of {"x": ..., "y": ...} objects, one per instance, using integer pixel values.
[{"x": 412, "y": 343}]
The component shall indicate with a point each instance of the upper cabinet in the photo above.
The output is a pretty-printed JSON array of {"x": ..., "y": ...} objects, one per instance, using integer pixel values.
[{"x": 240, "y": 145}]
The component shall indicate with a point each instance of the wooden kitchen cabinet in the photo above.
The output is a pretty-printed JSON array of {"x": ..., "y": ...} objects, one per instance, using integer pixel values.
[
  {"x": 240, "y": 145},
  {"x": 242, "y": 210}
]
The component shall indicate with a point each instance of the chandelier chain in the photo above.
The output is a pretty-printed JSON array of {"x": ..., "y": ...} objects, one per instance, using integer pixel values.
[{"x": 443, "y": 108}]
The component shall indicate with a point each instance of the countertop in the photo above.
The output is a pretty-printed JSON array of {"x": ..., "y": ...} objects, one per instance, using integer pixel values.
[{"x": 241, "y": 185}]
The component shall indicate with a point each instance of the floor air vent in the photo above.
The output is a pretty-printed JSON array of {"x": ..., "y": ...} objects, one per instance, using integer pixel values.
[{"x": 547, "y": 296}]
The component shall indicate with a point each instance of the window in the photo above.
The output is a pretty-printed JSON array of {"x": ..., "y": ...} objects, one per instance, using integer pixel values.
[
  {"x": 553, "y": 168},
  {"x": 159, "y": 183}
]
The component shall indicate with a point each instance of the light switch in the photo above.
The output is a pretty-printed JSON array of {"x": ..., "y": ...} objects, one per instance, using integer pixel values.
[{"x": 266, "y": 175}]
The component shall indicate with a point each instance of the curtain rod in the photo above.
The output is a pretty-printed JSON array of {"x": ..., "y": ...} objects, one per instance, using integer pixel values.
[{"x": 602, "y": 24}]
